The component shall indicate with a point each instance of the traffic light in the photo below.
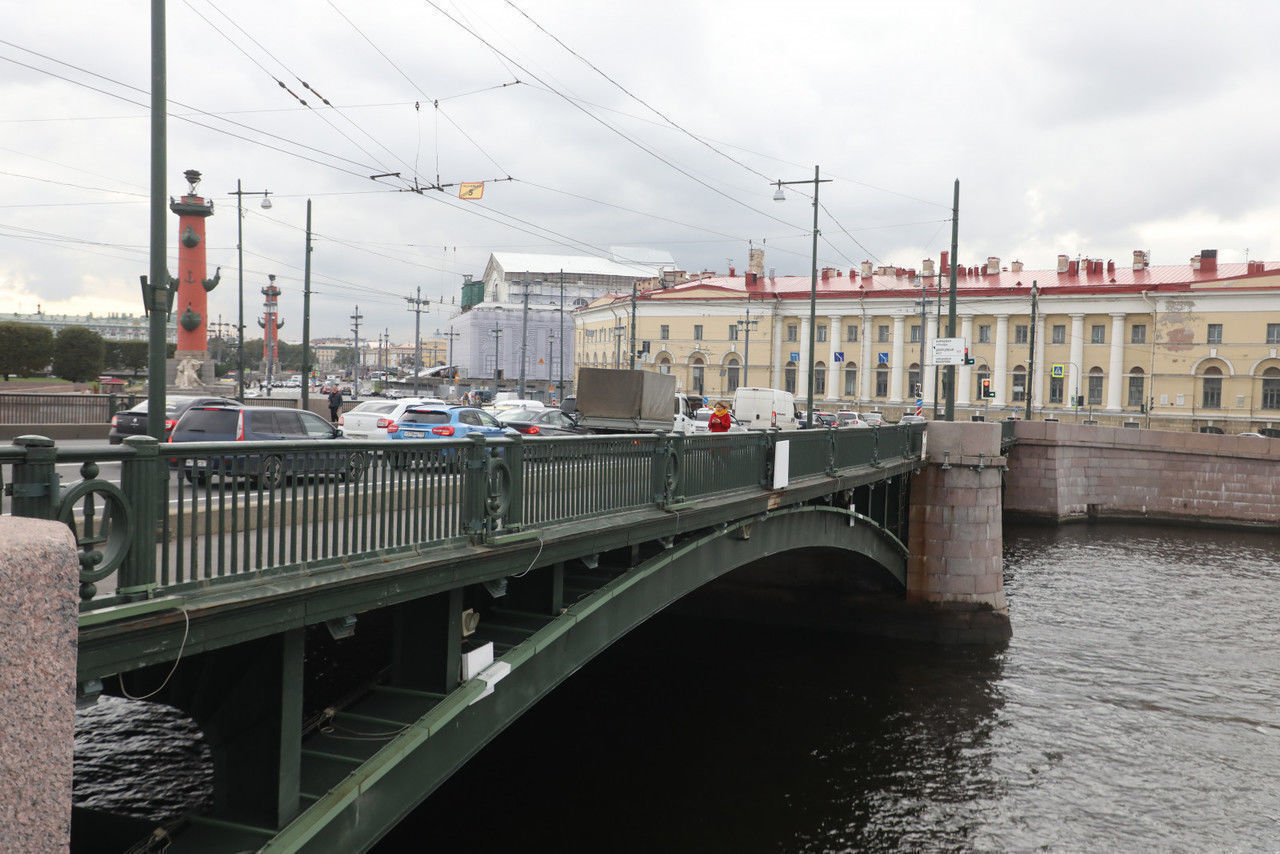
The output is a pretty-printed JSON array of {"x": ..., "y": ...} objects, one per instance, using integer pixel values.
[
  {"x": 968, "y": 360},
  {"x": 986, "y": 388}
]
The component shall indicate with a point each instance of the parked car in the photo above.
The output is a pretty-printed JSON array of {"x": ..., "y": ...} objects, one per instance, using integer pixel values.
[
  {"x": 825, "y": 419},
  {"x": 501, "y": 406},
  {"x": 913, "y": 419},
  {"x": 541, "y": 422},
  {"x": 875, "y": 419},
  {"x": 378, "y": 419},
  {"x": 264, "y": 424},
  {"x": 849, "y": 418},
  {"x": 445, "y": 422},
  {"x": 133, "y": 422}
]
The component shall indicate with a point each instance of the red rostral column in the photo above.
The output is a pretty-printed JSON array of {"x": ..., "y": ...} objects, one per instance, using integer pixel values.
[
  {"x": 271, "y": 324},
  {"x": 191, "y": 303}
]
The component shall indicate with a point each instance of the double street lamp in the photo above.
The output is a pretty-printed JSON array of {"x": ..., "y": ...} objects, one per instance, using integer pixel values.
[
  {"x": 746, "y": 326},
  {"x": 779, "y": 196},
  {"x": 266, "y": 206}
]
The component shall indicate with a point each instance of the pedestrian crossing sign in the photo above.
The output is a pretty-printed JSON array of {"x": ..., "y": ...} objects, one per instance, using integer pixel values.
[{"x": 1058, "y": 370}]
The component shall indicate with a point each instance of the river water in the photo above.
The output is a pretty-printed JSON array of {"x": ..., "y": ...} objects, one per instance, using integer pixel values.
[{"x": 1136, "y": 708}]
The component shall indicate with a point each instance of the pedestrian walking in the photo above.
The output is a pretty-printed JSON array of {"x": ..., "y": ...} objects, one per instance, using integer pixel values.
[{"x": 335, "y": 404}]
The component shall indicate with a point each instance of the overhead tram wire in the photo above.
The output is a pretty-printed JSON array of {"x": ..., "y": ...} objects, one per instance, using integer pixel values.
[
  {"x": 637, "y": 98},
  {"x": 363, "y": 174},
  {"x": 297, "y": 77},
  {"x": 434, "y": 101},
  {"x": 608, "y": 126}
]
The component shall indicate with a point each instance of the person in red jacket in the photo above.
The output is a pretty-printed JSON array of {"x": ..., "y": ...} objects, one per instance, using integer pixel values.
[{"x": 720, "y": 419}]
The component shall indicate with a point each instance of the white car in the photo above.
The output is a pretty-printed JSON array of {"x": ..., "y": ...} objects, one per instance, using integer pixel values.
[
  {"x": 502, "y": 406},
  {"x": 377, "y": 419}
]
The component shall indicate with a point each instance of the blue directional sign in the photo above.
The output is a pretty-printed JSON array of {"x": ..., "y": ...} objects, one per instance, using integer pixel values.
[
  {"x": 839, "y": 355},
  {"x": 795, "y": 355},
  {"x": 882, "y": 358}
]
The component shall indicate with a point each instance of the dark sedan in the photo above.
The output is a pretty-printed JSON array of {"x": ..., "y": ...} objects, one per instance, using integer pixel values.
[
  {"x": 541, "y": 422},
  {"x": 133, "y": 422}
]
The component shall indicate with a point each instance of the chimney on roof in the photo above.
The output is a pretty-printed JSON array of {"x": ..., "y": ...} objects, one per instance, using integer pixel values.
[
  {"x": 1209, "y": 260},
  {"x": 1111, "y": 267},
  {"x": 732, "y": 272},
  {"x": 866, "y": 269},
  {"x": 1073, "y": 268},
  {"x": 1141, "y": 259},
  {"x": 993, "y": 265},
  {"x": 1015, "y": 267},
  {"x": 1063, "y": 262},
  {"x": 755, "y": 261},
  {"x": 944, "y": 264},
  {"x": 1195, "y": 262},
  {"x": 826, "y": 273},
  {"x": 753, "y": 279},
  {"x": 926, "y": 267}
]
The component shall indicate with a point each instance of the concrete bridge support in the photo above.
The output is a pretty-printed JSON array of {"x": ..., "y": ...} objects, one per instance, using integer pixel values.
[{"x": 955, "y": 535}]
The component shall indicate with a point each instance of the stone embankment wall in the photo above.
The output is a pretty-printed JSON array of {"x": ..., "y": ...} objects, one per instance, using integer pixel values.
[{"x": 1064, "y": 472}]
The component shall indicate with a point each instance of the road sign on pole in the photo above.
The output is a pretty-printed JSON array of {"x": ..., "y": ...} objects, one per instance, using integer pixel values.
[
  {"x": 1058, "y": 371},
  {"x": 948, "y": 351}
]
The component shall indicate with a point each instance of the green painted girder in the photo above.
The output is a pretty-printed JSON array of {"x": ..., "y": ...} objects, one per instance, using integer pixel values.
[
  {"x": 365, "y": 801},
  {"x": 204, "y": 619}
]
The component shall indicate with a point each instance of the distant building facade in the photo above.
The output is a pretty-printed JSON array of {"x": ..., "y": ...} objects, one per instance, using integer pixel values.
[
  {"x": 116, "y": 327},
  {"x": 1193, "y": 345}
]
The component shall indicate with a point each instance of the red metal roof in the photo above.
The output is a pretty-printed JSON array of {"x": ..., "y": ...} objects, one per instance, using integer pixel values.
[{"x": 1090, "y": 279}]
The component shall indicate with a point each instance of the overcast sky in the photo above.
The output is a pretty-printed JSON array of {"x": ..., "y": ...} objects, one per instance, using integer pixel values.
[{"x": 1091, "y": 128}]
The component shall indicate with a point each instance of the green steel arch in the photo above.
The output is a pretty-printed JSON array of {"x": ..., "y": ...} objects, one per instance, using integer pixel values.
[{"x": 374, "y": 797}]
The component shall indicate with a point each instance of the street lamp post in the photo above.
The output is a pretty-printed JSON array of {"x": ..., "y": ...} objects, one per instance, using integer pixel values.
[
  {"x": 813, "y": 282},
  {"x": 1031, "y": 359},
  {"x": 747, "y": 326},
  {"x": 266, "y": 206}
]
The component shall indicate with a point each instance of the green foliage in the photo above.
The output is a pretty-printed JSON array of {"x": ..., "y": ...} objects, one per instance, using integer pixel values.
[
  {"x": 25, "y": 349},
  {"x": 78, "y": 354}
]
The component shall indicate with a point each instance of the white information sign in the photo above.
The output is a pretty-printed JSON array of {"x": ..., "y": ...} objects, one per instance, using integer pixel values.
[{"x": 948, "y": 351}]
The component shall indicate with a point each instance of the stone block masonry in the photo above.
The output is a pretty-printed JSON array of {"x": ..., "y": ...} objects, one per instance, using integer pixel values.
[
  {"x": 39, "y": 580},
  {"x": 1064, "y": 472},
  {"x": 955, "y": 536}
]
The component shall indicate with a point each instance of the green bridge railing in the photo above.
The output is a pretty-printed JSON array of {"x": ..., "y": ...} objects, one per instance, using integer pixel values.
[{"x": 198, "y": 514}]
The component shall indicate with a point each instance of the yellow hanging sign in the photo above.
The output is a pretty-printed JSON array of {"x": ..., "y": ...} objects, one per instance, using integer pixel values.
[{"x": 471, "y": 190}]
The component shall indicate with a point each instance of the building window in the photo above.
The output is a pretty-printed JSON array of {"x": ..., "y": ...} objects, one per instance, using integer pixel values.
[
  {"x": 882, "y": 334},
  {"x": 1273, "y": 333},
  {"x": 664, "y": 332},
  {"x": 698, "y": 379},
  {"x": 1095, "y": 387},
  {"x": 1271, "y": 388},
  {"x": 915, "y": 335},
  {"x": 851, "y": 380},
  {"x": 793, "y": 332},
  {"x": 1059, "y": 334},
  {"x": 1136, "y": 387},
  {"x": 731, "y": 378},
  {"x": 1019, "y": 383},
  {"x": 789, "y": 378},
  {"x": 882, "y": 380},
  {"x": 1097, "y": 334},
  {"x": 819, "y": 378},
  {"x": 1020, "y": 333},
  {"x": 1214, "y": 335},
  {"x": 1138, "y": 334},
  {"x": 733, "y": 332},
  {"x": 644, "y": 346},
  {"x": 665, "y": 365},
  {"x": 851, "y": 332},
  {"x": 697, "y": 332},
  {"x": 1055, "y": 389},
  {"x": 984, "y": 333},
  {"x": 822, "y": 333},
  {"x": 1211, "y": 395},
  {"x": 913, "y": 381}
]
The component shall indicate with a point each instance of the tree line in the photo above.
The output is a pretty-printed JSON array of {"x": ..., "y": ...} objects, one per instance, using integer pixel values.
[{"x": 76, "y": 353}]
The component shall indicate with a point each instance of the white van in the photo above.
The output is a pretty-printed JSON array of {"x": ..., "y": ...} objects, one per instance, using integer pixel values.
[{"x": 762, "y": 408}]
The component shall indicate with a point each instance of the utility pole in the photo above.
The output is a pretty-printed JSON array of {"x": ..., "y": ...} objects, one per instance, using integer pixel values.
[
  {"x": 617, "y": 345},
  {"x": 497, "y": 356},
  {"x": 415, "y": 305},
  {"x": 633, "y": 324},
  {"x": 551, "y": 355},
  {"x": 450, "y": 335},
  {"x": 924, "y": 305},
  {"x": 562, "y": 334},
  {"x": 746, "y": 325},
  {"x": 949, "y": 375},
  {"x": 524, "y": 335},
  {"x": 266, "y": 204},
  {"x": 1031, "y": 359},
  {"x": 157, "y": 293},
  {"x": 355, "y": 328},
  {"x": 306, "y": 317}
]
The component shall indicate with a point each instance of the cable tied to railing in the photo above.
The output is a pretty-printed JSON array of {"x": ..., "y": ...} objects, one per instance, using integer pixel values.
[{"x": 186, "y": 630}]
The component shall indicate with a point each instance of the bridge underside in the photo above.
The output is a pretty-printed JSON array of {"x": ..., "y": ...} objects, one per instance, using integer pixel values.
[{"x": 368, "y": 760}]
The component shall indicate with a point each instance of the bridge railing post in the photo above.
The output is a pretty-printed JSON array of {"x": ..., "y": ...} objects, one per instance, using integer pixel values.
[
  {"x": 658, "y": 467},
  {"x": 768, "y": 440},
  {"x": 144, "y": 482},
  {"x": 475, "y": 486},
  {"x": 514, "y": 502},
  {"x": 35, "y": 480}
]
